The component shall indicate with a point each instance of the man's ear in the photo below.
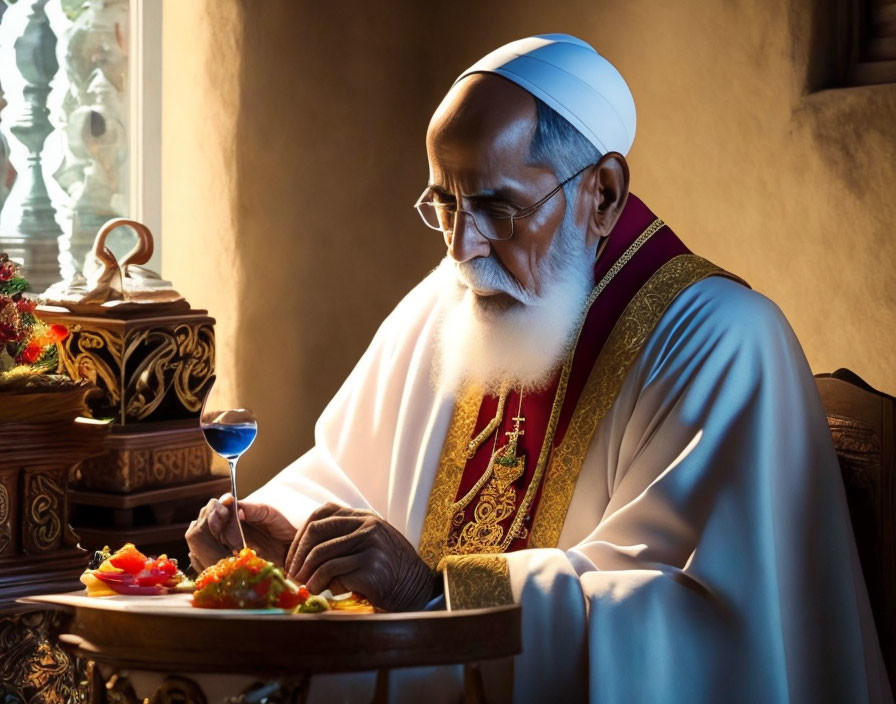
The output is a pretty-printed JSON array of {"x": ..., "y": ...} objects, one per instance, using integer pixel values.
[{"x": 607, "y": 182}]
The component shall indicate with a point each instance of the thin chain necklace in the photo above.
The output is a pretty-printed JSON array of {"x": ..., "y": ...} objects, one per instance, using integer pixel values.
[
  {"x": 474, "y": 444},
  {"x": 508, "y": 453}
]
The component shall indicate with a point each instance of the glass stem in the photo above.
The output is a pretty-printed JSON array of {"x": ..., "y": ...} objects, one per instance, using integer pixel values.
[{"x": 236, "y": 506}]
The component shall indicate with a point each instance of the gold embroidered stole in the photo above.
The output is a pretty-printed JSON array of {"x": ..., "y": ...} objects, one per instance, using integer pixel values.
[{"x": 557, "y": 470}]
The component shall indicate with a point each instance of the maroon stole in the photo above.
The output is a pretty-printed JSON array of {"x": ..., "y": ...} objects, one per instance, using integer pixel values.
[{"x": 662, "y": 263}]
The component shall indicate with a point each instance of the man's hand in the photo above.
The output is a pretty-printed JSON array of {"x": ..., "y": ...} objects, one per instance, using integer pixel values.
[
  {"x": 349, "y": 549},
  {"x": 214, "y": 534},
  {"x": 204, "y": 548}
]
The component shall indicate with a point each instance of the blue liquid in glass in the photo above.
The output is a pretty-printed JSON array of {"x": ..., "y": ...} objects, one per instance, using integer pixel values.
[{"x": 230, "y": 441}]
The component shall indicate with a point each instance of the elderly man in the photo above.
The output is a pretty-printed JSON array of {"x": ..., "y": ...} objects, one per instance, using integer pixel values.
[{"x": 575, "y": 413}]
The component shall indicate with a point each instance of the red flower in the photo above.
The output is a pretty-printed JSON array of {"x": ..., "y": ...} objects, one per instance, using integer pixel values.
[
  {"x": 57, "y": 333},
  {"x": 9, "y": 334},
  {"x": 8, "y": 268},
  {"x": 25, "y": 305},
  {"x": 31, "y": 353}
]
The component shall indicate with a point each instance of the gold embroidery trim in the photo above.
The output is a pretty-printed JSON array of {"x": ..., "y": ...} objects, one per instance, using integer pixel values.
[
  {"x": 622, "y": 347},
  {"x": 451, "y": 468},
  {"x": 496, "y": 503},
  {"x": 476, "y": 581},
  {"x": 436, "y": 525},
  {"x": 474, "y": 444}
]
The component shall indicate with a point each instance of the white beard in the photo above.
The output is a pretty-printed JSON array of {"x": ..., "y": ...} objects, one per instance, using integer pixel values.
[{"x": 523, "y": 345}]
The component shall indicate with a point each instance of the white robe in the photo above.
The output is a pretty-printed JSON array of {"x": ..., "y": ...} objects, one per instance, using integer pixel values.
[{"x": 707, "y": 554}]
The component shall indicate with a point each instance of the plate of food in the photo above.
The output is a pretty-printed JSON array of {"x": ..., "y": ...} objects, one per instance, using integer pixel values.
[
  {"x": 242, "y": 583},
  {"x": 129, "y": 572}
]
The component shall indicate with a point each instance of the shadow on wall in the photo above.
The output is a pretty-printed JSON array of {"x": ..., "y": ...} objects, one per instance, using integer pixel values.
[
  {"x": 825, "y": 37},
  {"x": 828, "y": 37},
  {"x": 330, "y": 158}
]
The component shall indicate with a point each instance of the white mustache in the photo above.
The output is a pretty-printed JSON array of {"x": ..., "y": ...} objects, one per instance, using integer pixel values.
[{"x": 485, "y": 275}]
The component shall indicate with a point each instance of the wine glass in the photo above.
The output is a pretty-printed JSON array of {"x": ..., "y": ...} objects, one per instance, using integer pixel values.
[{"x": 229, "y": 433}]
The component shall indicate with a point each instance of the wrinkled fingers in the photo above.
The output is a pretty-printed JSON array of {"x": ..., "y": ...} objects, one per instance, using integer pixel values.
[
  {"x": 341, "y": 570},
  {"x": 317, "y": 532},
  {"x": 325, "y": 511},
  {"x": 204, "y": 511},
  {"x": 204, "y": 549},
  {"x": 216, "y": 518},
  {"x": 330, "y": 550},
  {"x": 199, "y": 525}
]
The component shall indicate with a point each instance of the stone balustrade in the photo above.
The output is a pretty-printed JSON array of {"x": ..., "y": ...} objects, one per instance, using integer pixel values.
[{"x": 65, "y": 82}]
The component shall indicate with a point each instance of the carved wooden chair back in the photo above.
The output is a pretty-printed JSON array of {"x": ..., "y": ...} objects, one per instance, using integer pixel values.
[{"x": 864, "y": 430}]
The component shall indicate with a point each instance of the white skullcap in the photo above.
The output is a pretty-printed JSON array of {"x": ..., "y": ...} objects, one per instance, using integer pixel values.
[{"x": 570, "y": 76}]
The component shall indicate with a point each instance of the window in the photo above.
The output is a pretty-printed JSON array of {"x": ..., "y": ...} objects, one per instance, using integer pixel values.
[
  {"x": 80, "y": 127},
  {"x": 876, "y": 60}
]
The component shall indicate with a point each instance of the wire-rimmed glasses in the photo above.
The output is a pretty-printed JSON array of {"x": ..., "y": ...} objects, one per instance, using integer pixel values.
[{"x": 493, "y": 220}]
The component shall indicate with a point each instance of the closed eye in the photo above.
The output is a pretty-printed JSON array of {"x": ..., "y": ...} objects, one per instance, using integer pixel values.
[
  {"x": 488, "y": 204},
  {"x": 440, "y": 198},
  {"x": 494, "y": 207}
]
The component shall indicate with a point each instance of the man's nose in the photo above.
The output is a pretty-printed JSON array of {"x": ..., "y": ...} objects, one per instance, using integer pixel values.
[{"x": 466, "y": 242}]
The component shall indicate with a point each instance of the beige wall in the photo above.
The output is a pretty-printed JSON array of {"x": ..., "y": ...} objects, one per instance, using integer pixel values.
[{"x": 293, "y": 148}]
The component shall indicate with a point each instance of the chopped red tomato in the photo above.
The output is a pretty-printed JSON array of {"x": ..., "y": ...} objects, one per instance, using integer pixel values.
[
  {"x": 164, "y": 565},
  {"x": 129, "y": 559},
  {"x": 289, "y": 599}
]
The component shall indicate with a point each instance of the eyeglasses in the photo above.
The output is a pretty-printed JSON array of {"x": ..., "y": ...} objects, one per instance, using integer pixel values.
[{"x": 493, "y": 220}]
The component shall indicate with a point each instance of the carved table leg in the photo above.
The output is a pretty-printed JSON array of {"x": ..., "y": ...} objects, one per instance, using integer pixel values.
[
  {"x": 381, "y": 693},
  {"x": 288, "y": 691},
  {"x": 33, "y": 666},
  {"x": 177, "y": 689},
  {"x": 118, "y": 690},
  {"x": 474, "y": 691},
  {"x": 96, "y": 685}
]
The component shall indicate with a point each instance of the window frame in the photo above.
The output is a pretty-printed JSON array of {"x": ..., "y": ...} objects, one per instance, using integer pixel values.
[{"x": 145, "y": 119}]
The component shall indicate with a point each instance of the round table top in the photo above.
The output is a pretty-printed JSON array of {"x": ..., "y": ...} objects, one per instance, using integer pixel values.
[{"x": 165, "y": 633}]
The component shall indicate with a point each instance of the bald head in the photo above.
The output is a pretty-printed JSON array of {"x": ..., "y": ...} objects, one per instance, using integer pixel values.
[
  {"x": 484, "y": 108},
  {"x": 485, "y": 123}
]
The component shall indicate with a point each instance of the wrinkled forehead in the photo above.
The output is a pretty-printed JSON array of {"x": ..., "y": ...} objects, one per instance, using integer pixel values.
[{"x": 483, "y": 125}]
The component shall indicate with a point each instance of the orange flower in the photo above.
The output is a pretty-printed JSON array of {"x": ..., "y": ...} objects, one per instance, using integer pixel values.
[{"x": 57, "y": 333}]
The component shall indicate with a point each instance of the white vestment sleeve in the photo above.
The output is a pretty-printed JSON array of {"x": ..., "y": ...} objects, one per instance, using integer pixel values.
[
  {"x": 723, "y": 568},
  {"x": 356, "y": 435}
]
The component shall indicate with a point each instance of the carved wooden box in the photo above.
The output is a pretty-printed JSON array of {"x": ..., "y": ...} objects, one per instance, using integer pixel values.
[
  {"x": 149, "y": 367},
  {"x": 153, "y": 371}
]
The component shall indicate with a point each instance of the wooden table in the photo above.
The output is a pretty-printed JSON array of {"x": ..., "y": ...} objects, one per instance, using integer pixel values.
[{"x": 165, "y": 634}]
